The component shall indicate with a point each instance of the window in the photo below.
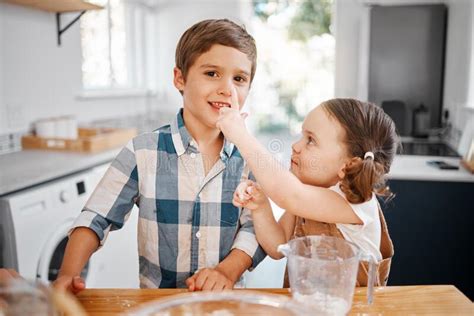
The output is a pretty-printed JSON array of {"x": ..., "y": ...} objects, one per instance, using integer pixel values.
[
  {"x": 296, "y": 51},
  {"x": 117, "y": 46}
]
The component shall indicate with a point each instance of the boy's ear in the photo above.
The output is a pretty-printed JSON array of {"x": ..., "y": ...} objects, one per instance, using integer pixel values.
[{"x": 178, "y": 79}]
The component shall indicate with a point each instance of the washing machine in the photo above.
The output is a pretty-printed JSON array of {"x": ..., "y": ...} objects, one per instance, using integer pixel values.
[{"x": 33, "y": 233}]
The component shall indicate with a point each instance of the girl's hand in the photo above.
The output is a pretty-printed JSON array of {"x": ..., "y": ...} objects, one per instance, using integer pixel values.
[
  {"x": 231, "y": 121},
  {"x": 250, "y": 195}
]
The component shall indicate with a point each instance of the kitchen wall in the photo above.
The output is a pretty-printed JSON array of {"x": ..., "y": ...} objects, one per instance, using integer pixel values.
[
  {"x": 352, "y": 27},
  {"x": 40, "y": 79}
]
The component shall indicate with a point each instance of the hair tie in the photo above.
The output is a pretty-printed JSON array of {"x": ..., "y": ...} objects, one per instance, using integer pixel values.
[{"x": 369, "y": 154}]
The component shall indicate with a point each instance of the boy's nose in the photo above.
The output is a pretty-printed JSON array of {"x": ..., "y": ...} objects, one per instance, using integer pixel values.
[{"x": 225, "y": 89}]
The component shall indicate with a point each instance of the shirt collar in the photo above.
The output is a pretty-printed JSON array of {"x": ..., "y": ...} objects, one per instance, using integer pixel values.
[
  {"x": 179, "y": 133},
  {"x": 182, "y": 139},
  {"x": 227, "y": 150}
]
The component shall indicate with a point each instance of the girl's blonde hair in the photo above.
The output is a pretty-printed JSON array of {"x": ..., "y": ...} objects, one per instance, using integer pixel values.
[{"x": 367, "y": 129}]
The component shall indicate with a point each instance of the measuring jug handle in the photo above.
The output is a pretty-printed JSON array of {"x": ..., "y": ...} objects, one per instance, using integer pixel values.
[
  {"x": 372, "y": 276},
  {"x": 371, "y": 281}
]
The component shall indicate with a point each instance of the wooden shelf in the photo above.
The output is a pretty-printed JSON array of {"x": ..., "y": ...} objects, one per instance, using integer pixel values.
[{"x": 57, "y": 6}]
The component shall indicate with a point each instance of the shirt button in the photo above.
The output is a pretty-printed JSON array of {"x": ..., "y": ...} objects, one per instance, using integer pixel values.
[
  {"x": 198, "y": 234},
  {"x": 193, "y": 143},
  {"x": 193, "y": 155}
]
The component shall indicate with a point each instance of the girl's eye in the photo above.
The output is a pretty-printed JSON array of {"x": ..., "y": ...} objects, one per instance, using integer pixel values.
[
  {"x": 310, "y": 141},
  {"x": 211, "y": 73}
]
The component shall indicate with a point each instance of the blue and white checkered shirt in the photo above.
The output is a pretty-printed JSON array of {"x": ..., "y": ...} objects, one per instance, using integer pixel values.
[{"x": 186, "y": 218}]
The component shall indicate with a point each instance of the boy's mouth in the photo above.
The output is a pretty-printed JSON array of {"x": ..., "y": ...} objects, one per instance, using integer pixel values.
[{"x": 219, "y": 105}]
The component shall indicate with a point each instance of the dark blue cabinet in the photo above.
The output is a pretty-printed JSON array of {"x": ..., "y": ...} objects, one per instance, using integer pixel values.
[{"x": 431, "y": 225}]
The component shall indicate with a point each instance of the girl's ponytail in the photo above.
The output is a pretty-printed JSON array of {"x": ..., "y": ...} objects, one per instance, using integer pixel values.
[{"x": 362, "y": 178}]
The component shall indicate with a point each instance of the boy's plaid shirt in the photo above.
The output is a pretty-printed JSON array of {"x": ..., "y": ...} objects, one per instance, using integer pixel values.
[{"x": 186, "y": 219}]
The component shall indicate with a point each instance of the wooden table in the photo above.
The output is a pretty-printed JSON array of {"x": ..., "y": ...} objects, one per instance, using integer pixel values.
[{"x": 433, "y": 299}]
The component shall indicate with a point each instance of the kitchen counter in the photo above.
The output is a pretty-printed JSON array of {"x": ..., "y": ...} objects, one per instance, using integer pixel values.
[
  {"x": 27, "y": 168},
  {"x": 23, "y": 169},
  {"x": 401, "y": 300},
  {"x": 406, "y": 167}
]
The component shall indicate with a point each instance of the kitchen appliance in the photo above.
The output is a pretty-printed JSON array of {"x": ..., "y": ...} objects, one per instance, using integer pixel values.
[
  {"x": 407, "y": 46},
  {"x": 34, "y": 224},
  {"x": 426, "y": 148},
  {"x": 323, "y": 271},
  {"x": 397, "y": 111},
  {"x": 421, "y": 121}
]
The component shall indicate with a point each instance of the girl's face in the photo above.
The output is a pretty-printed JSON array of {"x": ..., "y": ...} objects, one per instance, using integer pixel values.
[{"x": 318, "y": 158}]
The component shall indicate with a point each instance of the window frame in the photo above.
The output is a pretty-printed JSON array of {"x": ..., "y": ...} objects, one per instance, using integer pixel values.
[{"x": 140, "y": 22}]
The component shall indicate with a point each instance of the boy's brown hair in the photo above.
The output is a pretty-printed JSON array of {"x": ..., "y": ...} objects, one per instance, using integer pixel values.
[
  {"x": 367, "y": 129},
  {"x": 200, "y": 37}
]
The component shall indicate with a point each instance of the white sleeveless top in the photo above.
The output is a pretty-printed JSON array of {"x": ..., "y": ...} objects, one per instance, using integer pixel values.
[{"x": 367, "y": 235}]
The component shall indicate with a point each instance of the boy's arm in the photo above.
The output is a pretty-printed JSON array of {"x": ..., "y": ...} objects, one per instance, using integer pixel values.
[
  {"x": 235, "y": 264},
  {"x": 106, "y": 210},
  {"x": 245, "y": 253},
  {"x": 81, "y": 245}
]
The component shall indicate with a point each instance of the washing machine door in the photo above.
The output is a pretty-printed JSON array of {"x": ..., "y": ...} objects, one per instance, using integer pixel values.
[{"x": 53, "y": 253}]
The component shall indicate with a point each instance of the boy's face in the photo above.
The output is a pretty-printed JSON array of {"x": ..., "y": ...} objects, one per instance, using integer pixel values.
[{"x": 210, "y": 82}]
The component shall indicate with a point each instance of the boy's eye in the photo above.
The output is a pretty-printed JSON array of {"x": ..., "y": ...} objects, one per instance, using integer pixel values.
[
  {"x": 310, "y": 141},
  {"x": 211, "y": 73},
  {"x": 240, "y": 79}
]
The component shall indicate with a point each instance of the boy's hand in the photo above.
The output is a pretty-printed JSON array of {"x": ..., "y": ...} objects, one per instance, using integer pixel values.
[
  {"x": 231, "y": 122},
  {"x": 68, "y": 283},
  {"x": 250, "y": 195},
  {"x": 209, "y": 279}
]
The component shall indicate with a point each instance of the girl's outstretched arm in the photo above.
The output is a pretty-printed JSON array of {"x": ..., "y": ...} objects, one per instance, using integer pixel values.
[{"x": 284, "y": 188}]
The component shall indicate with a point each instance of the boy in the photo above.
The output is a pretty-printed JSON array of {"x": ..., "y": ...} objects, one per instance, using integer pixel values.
[{"x": 182, "y": 176}]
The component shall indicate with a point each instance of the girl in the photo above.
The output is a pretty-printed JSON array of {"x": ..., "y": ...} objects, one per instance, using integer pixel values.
[{"x": 337, "y": 169}]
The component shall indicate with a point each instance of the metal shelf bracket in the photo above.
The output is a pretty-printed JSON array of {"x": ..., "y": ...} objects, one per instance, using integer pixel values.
[{"x": 58, "y": 24}]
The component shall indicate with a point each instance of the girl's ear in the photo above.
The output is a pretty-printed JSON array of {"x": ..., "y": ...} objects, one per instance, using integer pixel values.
[
  {"x": 341, "y": 174},
  {"x": 178, "y": 79}
]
